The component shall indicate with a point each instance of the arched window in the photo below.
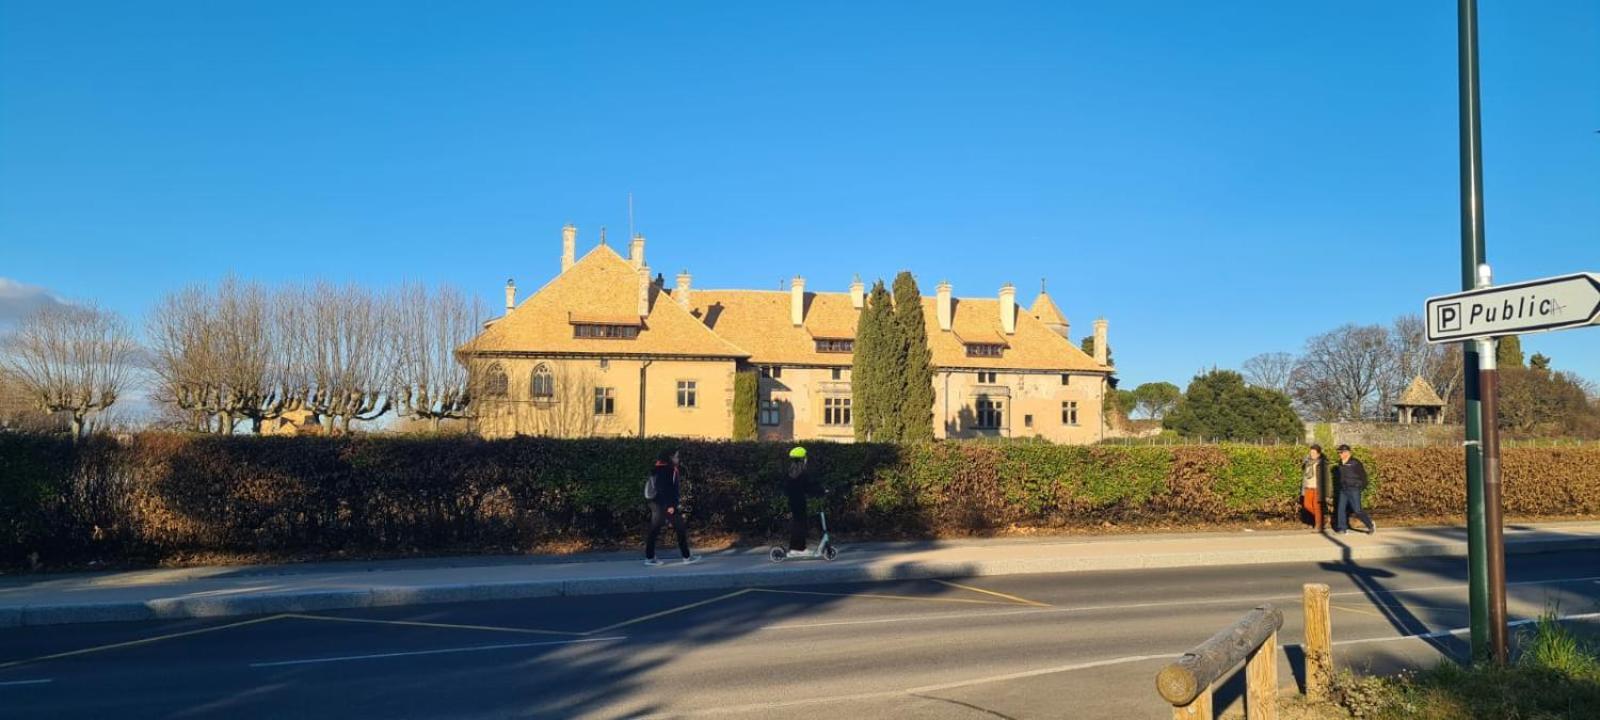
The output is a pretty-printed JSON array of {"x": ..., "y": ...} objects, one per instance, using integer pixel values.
[
  {"x": 544, "y": 383},
  {"x": 495, "y": 381}
]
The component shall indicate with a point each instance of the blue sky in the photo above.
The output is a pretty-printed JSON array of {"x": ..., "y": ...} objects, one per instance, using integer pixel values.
[{"x": 1217, "y": 179}]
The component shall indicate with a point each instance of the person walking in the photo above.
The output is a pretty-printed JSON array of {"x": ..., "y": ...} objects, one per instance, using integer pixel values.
[
  {"x": 1313, "y": 468},
  {"x": 798, "y": 483},
  {"x": 1352, "y": 482},
  {"x": 663, "y": 492}
]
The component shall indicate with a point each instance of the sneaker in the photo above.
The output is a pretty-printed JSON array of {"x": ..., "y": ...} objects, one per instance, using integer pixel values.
[
  {"x": 1341, "y": 532},
  {"x": 692, "y": 559},
  {"x": 1372, "y": 529},
  {"x": 652, "y": 562}
]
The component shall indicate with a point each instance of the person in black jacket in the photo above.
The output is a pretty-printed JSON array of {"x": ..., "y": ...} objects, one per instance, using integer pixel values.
[
  {"x": 1352, "y": 482},
  {"x": 798, "y": 483},
  {"x": 665, "y": 508}
]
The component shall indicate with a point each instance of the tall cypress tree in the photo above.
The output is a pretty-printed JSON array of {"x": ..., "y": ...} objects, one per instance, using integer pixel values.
[
  {"x": 916, "y": 378},
  {"x": 872, "y": 368}
]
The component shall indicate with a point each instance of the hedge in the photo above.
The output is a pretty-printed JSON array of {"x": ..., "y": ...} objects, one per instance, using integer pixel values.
[{"x": 158, "y": 496}]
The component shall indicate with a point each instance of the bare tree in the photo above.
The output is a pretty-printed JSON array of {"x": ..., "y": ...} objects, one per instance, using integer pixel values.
[
  {"x": 218, "y": 354},
  {"x": 72, "y": 359},
  {"x": 1270, "y": 371},
  {"x": 340, "y": 345},
  {"x": 569, "y": 411},
  {"x": 1343, "y": 373},
  {"x": 1438, "y": 365},
  {"x": 430, "y": 383}
]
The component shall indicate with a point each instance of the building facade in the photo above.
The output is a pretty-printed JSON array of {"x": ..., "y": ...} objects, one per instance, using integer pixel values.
[{"x": 606, "y": 349}]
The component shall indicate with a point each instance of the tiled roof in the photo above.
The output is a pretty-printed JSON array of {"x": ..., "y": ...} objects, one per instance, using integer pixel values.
[
  {"x": 1420, "y": 394},
  {"x": 759, "y": 321},
  {"x": 601, "y": 285},
  {"x": 1045, "y": 309}
]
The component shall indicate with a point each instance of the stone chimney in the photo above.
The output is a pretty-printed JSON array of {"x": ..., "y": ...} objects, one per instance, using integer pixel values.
[
  {"x": 636, "y": 251},
  {"x": 511, "y": 295},
  {"x": 682, "y": 293},
  {"x": 797, "y": 301},
  {"x": 1101, "y": 348},
  {"x": 569, "y": 246},
  {"x": 945, "y": 309},
  {"x": 644, "y": 291},
  {"x": 1008, "y": 308},
  {"x": 858, "y": 293}
]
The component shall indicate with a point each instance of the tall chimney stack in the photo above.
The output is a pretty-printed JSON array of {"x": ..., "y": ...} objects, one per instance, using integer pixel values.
[
  {"x": 569, "y": 246},
  {"x": 1102, "y": 350},
  {"x": 944, "y": 307},
  {"x": 636, "y": 251},
  {"x": 644, "y": 291},
  {"x": 1008, "y": 308},
  {"x": 511, "y": 295},
  {"x": 797, "y": 301},
  {"x": 682, "y": 293},
  {"x": 858, "y": 293}
]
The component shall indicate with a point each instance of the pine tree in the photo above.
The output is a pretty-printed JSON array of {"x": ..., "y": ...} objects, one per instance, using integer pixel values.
[
  {"x": 873, "y": 367},
  {"x": 915, "y": 397}
]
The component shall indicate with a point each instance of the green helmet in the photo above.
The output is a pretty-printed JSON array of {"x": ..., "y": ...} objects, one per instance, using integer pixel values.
[{"x": 799, "y": 453}]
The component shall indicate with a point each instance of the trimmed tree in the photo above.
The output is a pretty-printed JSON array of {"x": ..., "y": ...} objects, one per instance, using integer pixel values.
[
  {"x": 744, "y": 405},
  {"x": 873, "y": 369},
  {"x": 1220, "y": 405},
  {"x": 916, "y": 378}
]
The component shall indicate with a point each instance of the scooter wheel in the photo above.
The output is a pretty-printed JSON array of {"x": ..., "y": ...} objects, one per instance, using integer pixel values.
[
  {"x": 829, "y": 552},
  {"x": 777, "y": 554}
]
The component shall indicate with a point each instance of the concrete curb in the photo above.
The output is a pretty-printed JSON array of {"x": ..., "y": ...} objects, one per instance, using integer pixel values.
[{"x": 867, "y": 570}]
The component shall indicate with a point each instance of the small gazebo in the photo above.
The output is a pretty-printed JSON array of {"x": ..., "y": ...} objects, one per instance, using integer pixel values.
[{"x": 1420, "y": 404}]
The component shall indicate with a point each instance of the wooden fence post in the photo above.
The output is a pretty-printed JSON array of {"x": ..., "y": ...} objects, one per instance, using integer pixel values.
[
  {"x": 1198, "y": 709},
  {"x": 1261, "y": 681},
  {"x": 1319, "y": 643}
]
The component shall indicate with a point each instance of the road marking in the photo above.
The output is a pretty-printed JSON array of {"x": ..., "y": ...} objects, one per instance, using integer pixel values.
[
  {"x": 875, "y": 596},
  {"x": 142, "y": 641},
  {"x": 1012, "y": 598},
  {"x": 665, "y": 613},
  {"x": 910, "y": 618},
  {"x": 441, "y": 651},
  {"x": 13, "y": 683},
  {"x": 884, "y": 694},
  {"x": 726, "y": 710},
  {"x": 442, "y": 626}
]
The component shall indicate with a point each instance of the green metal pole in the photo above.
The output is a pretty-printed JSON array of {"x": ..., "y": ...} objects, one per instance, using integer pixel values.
[{"x": 1472, "y": 254}]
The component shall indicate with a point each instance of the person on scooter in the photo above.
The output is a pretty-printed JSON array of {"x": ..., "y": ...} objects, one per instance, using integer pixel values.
[{"x": 798, "y": 483}]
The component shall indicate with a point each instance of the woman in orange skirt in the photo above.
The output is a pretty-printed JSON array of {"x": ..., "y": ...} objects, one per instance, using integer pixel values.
[{"x": 1312, "y": 470}]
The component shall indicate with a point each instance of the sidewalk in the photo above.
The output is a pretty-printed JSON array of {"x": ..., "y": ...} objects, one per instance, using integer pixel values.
[{"x": 253, "y": 590}]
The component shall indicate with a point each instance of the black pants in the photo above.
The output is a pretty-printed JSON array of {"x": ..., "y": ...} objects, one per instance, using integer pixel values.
[
  {"x": 798, "y": 528},
  {"x": 1350, "y": 504},
  {"x": 659, "y": 517}
]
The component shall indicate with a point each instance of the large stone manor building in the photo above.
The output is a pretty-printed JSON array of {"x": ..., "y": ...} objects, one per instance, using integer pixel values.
[{"x": 606, "y": 349}]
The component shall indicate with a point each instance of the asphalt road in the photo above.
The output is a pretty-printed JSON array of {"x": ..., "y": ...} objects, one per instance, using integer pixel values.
[{"x": 1082, "y": 645}]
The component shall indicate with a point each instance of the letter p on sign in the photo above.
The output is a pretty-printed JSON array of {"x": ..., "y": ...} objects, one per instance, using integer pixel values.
[{"x": 1449, "y": 317}]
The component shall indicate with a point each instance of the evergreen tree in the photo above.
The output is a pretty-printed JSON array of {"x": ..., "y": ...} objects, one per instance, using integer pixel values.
[
  {"x": 1219, "y": 405},
  {"x": 873, "y": 368},
  {"x": 915, "y": 397},
  {"x": 1509, "y": 354},
  {"x": 1087, "y": 346},
  {"x": 745, "y": 386}
]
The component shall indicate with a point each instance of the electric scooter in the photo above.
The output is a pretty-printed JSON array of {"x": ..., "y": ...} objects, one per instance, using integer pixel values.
[{"x": 824, "y": 548}]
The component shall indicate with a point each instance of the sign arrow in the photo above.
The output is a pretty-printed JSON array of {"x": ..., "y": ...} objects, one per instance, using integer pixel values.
[{"x": 1555, "y": 303}]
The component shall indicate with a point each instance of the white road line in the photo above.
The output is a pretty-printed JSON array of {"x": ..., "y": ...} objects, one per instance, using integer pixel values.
[
  {"x": 441, "y": 651},
  {"x": 884, "y": 694},
  {"x": 926, "y": 689},
  {"x": 1251, "y": 600},
  {"x": 10, "y": 683}
]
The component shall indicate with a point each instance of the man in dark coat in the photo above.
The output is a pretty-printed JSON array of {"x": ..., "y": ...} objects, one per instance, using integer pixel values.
[
  {"x": 665, "y": 508},
  {"x": 1352, "y": 482}
]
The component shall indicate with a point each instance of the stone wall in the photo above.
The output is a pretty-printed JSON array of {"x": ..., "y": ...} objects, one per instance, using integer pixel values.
[{"x": 1388, "y": 434}]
